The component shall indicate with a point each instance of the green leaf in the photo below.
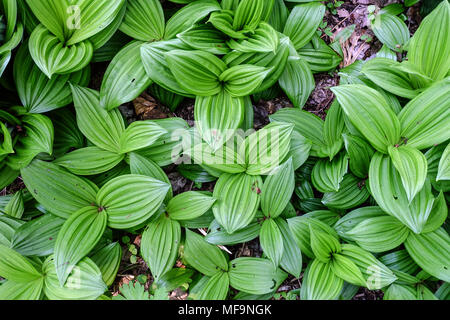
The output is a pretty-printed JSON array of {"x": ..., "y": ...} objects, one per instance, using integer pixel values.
[
  {"x": 291, "y": 260},
  {"x": 277, "y": 190},
  {"x": 431, "y": 252},
  {"x": 254, "y": 275},
  {"x": 384, "y": 72},
  {"x": 400, "y": 292},
  {"x": 125, "y": 79},
  {"x": 303, "y": 22},
  {"x": 218, "y": 236},
  {"x": 243, "y": 80},
  {"x": 369, "y": 112},
  {"x": 347, "y": 270},
  {"x": 38, "y": 138},
  {"x": 411, "y": 164},
  {"x": 332, "y": 130},
  {"x": 391, "y": 31},
  {"x": 376, "y": 274},
  {"x": 174, "y": 278},
  {"x": 8, "y": 227},
  {"x": 60, "y": 192},
  {"x": 438, "y": 214},
  {"x": 189, "y": 205},
  {"x": 279, "y": 15},
  {"x": 102, "y": 128},
  {"x": 297, "y": 81},
  {"x": 218, "y": 117},
  {"x": 425, "y": 119},
  {"x": 323, "y": 245},
  {"x": 320, "y": 282},
  {"x": 52, "y": 57},
  {"x": 264, "y": 39},
  {"x": 36, "y": 91},
  {"x": 266, "y": 149},
  {"x": 216, "y": 288},
  {"x": 77, "y": 237},
  {"x": 67, "y": 134},
  {"x": 237, "y": 200},
  {"x": 189, "y": 15},
  {"x": 248, "y": 15},
  {"x": 84, "y": 282},
  {"x": 144, "y": 20},
  {"x": 159, "y": 245},
  {"x": 327, "y": 175},
  {"x": 139, "y": 135},
  {"x": 153, "y": 57},
  {"x": 444, "y": 165},
  {"x": 206, "y": 38},
  {"x": 32, "y": 290},
  {"x": 108, "y": 260},
  {"x": 130, "y": 200},
  {"x": 379, "y": 234},
  {"x": 300, "y": 149},
  {"x": 360, "y": 154},
  {"x": 271, "y": 241},
  {"x": 15, "y": 207},
  {"x": 224, "y": 159},
  {"x": 204, "y": 257},
  {"x": 223, "y": 21},
  {"x": 387, "y": 189},
  {"x": 428, "y": 48},
  {"x": 89, "y": 161},
  {"x": 351, "y": 219},
  {"x": 15, "y": 267},
  {"x": 197, "y": 72}
]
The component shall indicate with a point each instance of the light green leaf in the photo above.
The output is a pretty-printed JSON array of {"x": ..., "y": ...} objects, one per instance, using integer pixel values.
[
  {"x": 390, "y": 30},
  {"x": 243, "y": 80},
  {"x": 15, "y": 267},
  {"x": 327, "y": 175},
  {"x": 347, "y": 270},
  {"x": 189, "y": 205},
  {"x": 248, "y": 15},
  {"x": 291, "y": 260},
  {"x": 297, "y": 81},
  {"x": 32, "y": 290},
  {"x": 360, "y": 153},
  {"x": 224, "y": 159},
  {"x": 216, "y": 288},
  {"x": 144, "y": 20},
  {"x": 205, "y": 37},
  {"x": 108, "y": 260},
  {"x": 139, "y": 135},
  {"x": 320, "y": 282},
  {"x": 444, "y": 165},
  {"x": 264, "y": 39},
  {"x": 271, "y": 240}
]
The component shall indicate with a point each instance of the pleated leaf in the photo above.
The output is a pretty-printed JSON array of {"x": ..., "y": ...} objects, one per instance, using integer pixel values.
[
  {"x": 108, "y": 260},
  {"x": 391, "y": 31},
  {"x": 159, "y": 245},
  {"x": 206, "y": 38},
  {"x": 264, "y": 39},
  {"x": 297, "y": 81},
  {"x": 327, "y": 175},
  {"x": 291, "y": 260},
  {"x": 125, "y": 79},
  {"x": 216, "y": 288},
  {"x": 224, "y": 159},
  {"x": 139, "y": 135},
  {"x": 59, "y": 191},
  {"x": 189, "y": 205},
  {"x": 347, "y": 270},
  {"x": 444, "y": 165},
  {"x": 248, "y": 15},
  {"x": 271, "y": 241},
  {"x": 320, "y": 282},
  {"x": 360, "y": 154},
  {"x": 15, "y": 267},
  {"x": 130, "y": 200},
  {"x": 243, "y": 80},
  {"x": 77, "y": 237},
  {"x": 32, "y": 290}
]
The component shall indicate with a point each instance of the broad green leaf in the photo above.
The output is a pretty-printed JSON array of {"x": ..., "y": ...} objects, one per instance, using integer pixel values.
[
  {"x": 254, "y": 275},
  {"x": 321, "y": 57},
  {"x": 224, "y": 159},
  {"x": 438, "y": 214},
  {"x": 379, "y": 234},
  {"x": 332, "y": 130},
  {"x": 303, "y": 22},
  {"x": 277, "y": 190},
  {"x": 425, "y": 119},
  {"x": 248, "y": 15},
  {"x": 291, "y": 260},
  {"x": 223, "y": 21},
  {"x": 360, "y": 154},
  {"x": 37, "y": 92},
  {"x": 15, "y": 207},
  {"x": 297, "y": 81},
  {"x": 279, "y": 15},
  {"x": 323, "y": 245},
  {"x": 59, "y": 191},
  {"x": 320, "y": 282},
  {"x": 353, "y": 218},
  {"x": 174, "y": 278},
  {"x": 189, "y": 205},
  {"x": 153, "y": 57},
  {"x": 300, "y": 149},
  {"x": 271, "y": 241},
  {"x": 38, "y": 138},
  {"x": 166, "y": 97},
  {"x": 204, "y": 257},
  {"x": 15, "y": 267},
  {"x": 189, "y": 15},
  {"x": 102, "y": 128},
  {"x": 411, "y": 164},
  {"x": 387, "y": 189},
  {"x": 8, "y": 227},
  {"x": 197, "y": 72},
  {"x": 77, "y": 237},
  {"x": 369, "y": 112},
  {"x": 139, "y": 135},
  {"x": 431, "y": 252},
  {"x": 108, "y": 260},
  {"x": 205, "y": 37},
  {"x": 391, "y": 31},
  {"x": 101, "y": 39},
  {"x": 238, "y": 197},
  {"x": 347, "y": 270},
  {"x": 159, "y": 245},
  {"x": 328, "y": 175},
  {"x": 243, "y": 80},
  {"x": 67, "y": 134},
  {"x": 218, "y": 236},
  {"x": 264, "y": 39},
  {"x": 125, "y": 79},
  {"x": 376, "y": 274},
  {"x": 130, "y": 200},
  {"x": 89, "y": 161},
  {"x": 383, "y": 72},
  {"x": 38, "y": 236},
  {"x": 428, "y": 48},
  {"x": 387, "y": 53},
  {"x": 32, "y": 290},
  {"x": 400, "y": 292},
  {"x": 444, "y": 165},
  {"x": 266, "y": 149},
  {"x": 52, "y": 57},
  {"x": 218, "y": 117},
  {"x": 400, "y": 260},
  {"x": 144, "y": 20},
  {"x": 84, "y": 282},
  {"x": 216, "y": 288}
]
